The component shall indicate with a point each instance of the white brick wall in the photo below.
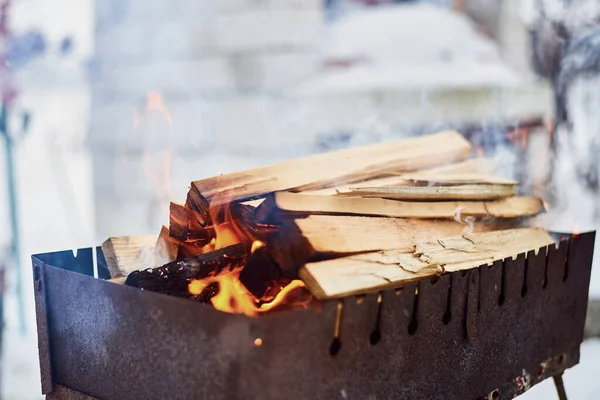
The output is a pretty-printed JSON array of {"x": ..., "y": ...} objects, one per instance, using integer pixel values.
[
  {"x": 273, "y": 72},
  {"x": 205, "y": 75},
  {"x": 261, "y": 125},
  {"x": 160, "y": 9},
  {"x": 264, "y": 29}
]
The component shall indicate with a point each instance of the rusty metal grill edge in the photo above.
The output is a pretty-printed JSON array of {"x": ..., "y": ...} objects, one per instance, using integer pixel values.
[{"x": 489, "y": 333}]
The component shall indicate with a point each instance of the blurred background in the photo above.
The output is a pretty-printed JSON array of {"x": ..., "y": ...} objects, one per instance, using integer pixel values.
[{"x": 110, "y": 108}]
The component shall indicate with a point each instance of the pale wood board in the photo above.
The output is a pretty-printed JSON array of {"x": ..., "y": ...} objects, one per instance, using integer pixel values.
[
  {"x": 299, "y": 240},
  {"x": 458, "y": 179},
  {"x": 343, "y": 234},
  {"x": 429, "y": 193},
  {"x": 287, "y": 202},
  {"x": 125, "y": 254},
  {"x": 471, "y": 166},
  {"x": 334, "y": 168},
  {"x": 375, "y": 271}
]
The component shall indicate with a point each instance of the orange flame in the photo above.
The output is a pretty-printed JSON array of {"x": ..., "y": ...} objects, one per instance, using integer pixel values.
[
  {"x": 232, "y": 296},
  {"x": 257, "y": 244},
  {"x": 154, "y": 122},
  {"x": 546, "y": 205}
]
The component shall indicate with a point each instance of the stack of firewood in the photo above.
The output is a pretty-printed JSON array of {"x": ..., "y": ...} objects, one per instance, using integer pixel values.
[{"x": 346, "y": 222}]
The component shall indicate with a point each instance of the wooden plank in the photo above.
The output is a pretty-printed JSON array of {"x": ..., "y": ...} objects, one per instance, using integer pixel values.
[
  {"x": 472, "y": 166},
  {"x": 470, "y": 250},
  {"x": 125, "y": 254},
  {"x": 423, "y": 178},
  {"x": 281, "y": 204},
  {"x": 379, "y": 270},
  {"x": 299, "y": 240},
  {"x": 178, "y": 221},
  {"x": 438, "y": 193},
  {"x": 329, "y": 169}
]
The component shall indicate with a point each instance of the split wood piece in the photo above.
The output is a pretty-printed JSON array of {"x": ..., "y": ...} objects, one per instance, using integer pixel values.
[
  {"x": 428, "y": 179},
  {"x": 329, "y": 169},
  {"x": 125, "y": 254},
  {"x": 174, "y": 277},
  {"x": 198, "y": 236},
  {"x": 472, "y": 166},
  {"x": 178, "y": 221},
  {"x": 436, "y": 193},
  {"x": 375, "y": 271},
  {"x": 303, "y": 239},
  {"x": 284, "y": 205},
  {"x": 261, "y": 275}
]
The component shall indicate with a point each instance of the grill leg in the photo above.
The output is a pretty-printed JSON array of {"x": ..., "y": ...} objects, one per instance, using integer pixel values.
[{"x": 560, "y": 387}]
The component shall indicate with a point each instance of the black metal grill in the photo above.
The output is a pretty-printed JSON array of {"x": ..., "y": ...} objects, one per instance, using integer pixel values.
[{"x": 491, "y": 332}]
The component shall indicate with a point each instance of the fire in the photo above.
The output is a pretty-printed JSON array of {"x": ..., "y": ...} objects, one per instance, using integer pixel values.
[
  {"x": 257, "y": 244},
  {"x": 546, "y": 205},
  {"x": 258, "y": 342},
  {"x": 232, "y": 296},
  {"x": 196, "y": 287},
  {"x": 153, "y": 122}
]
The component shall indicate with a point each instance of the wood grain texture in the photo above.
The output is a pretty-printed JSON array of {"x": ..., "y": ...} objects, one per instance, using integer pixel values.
[
  {"x": 299, "y": 240},
  {"x": 437, "y": 193},
  {"x": 178, "y": 221},
  {"x": 471, "y": 166},
  {"x": 286, "y": 203},
  {"x": 378, "y": 270},
  {"x": 125, "y": 254},
  {"x": 330, "y": 169}
]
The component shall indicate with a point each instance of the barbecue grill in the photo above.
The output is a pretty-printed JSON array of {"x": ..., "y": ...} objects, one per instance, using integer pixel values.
[{"x": 487, "y": 333}]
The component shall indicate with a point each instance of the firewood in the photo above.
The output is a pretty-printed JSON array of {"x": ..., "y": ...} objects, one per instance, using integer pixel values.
[
  {"x": 429, "y": 179},
  {"x": 260, "y": 274},
  {"x": 281, "y": 204},
  {"x": 437, "y": 193},
  {"x": 303, "y": 239},
  {"x": 328, "y": 169},
  {"x": 174, "y": 277},
  {"x": 375, "y": 271},
  {"x": 125, "y": 254},
  {"x": 178, "y": 221},
  {"x": 477, "y": 166}
]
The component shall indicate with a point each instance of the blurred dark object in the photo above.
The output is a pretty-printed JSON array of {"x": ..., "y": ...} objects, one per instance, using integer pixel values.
[
  {"x": 24, "y": 48},
  {"x": 66, "y": 46}
]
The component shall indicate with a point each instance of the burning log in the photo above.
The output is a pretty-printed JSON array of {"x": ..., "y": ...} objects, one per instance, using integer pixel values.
[
  {"x": 175, "y": 277},
  {"x": 285, "y": 205},
  {"x": 343, "y": 166},
  {"x": 375, "y": 271},
  {"x": 261, "y": 274},
  {"x": 340, "y": 240}
]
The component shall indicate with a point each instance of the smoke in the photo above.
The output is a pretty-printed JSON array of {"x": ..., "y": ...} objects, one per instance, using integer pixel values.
[
  {"x": 468, "y": 221},
  {"x": 566, "y": 50},
  {"x": 575, "y": 188}
]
